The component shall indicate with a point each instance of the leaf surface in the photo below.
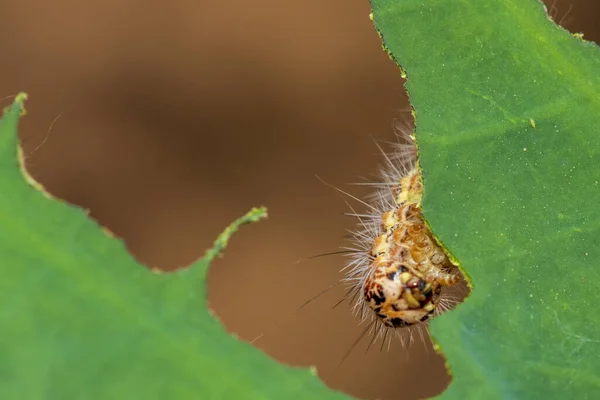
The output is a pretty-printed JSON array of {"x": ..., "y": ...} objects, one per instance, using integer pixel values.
[{"x": 81, "y": 319}]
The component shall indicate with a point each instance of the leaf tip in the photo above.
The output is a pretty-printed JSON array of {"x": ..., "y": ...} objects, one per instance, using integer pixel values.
[
  {"x": 18, "y": 105},
  {"x": 254, "y": 215},
  {"x": 20, "y": 98}
]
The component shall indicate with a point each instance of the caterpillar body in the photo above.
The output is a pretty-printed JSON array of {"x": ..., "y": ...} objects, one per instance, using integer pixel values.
[{"x": 397, "y": 269}]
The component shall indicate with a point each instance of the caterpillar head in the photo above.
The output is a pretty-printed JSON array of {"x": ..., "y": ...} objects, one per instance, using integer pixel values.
[{"x": 399, "y": 295}]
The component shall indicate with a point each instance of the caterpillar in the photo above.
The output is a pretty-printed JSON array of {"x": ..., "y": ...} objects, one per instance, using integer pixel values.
[
  {"x": 397, "y": 269},
  {"x": 397, "y": 276}
]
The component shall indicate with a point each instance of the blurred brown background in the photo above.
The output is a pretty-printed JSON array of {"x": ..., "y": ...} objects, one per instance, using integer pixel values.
[{"x": 177, "y": 117}]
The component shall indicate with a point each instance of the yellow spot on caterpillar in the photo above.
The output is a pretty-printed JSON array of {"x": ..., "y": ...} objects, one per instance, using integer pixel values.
[{"x": 532, "y": 122}]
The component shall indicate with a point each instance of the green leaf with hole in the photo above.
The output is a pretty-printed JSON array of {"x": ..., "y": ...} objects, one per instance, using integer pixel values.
[
  {"x": 81, "y": 319},
  {"x": 507, "y": 110}
]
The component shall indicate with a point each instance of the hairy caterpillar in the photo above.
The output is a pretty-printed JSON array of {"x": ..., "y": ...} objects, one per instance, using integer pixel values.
[
  {"x": 397, "y": 270},
  {"x": 397, "y": 275}
]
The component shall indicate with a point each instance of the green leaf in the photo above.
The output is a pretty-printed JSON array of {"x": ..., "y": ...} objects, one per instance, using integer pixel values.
[
  {"x": 507, "y": 113},
  {"x": 81, "y": 319}
]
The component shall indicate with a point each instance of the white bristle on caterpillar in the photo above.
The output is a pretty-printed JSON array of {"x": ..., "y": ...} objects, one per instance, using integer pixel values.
[{"x": 397, "y": 271}]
